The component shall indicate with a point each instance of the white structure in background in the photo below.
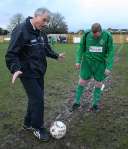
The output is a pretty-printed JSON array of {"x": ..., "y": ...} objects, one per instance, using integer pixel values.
[
  {"x": 7, "y": 39},
  {"x": 127, "y": 39},
  {"x": 76, "y": 39}
]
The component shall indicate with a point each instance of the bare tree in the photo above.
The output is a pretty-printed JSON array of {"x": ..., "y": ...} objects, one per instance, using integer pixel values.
[
  {"x": 57, "y": 24},
  {"x": 15, "y": 20}
]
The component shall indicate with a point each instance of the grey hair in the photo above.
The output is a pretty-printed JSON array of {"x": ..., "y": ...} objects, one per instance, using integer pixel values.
[
  {"x": 96, "y": 27},
  {"x": 41, "y": 11}
]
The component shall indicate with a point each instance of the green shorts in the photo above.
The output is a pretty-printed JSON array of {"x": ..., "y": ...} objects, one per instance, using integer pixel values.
[{"x": 92, "y": 68}]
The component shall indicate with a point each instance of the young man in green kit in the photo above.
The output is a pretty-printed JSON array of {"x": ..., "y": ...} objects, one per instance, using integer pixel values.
[{"x": 94, "y": 58}]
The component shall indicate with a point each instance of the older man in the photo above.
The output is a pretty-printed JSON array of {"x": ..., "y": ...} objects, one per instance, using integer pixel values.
[
  {"x": 95, "y": 59},
  {"x": 26, "y": 59}
]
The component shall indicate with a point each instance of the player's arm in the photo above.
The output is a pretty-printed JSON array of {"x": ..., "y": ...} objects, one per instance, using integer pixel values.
[
  {"x": 12, "y": 55},
  {"x": 50, "y": 52},
  {"x": 110, "y": 53}
]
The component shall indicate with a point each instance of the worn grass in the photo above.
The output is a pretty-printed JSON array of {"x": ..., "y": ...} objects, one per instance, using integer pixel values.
[{"x": 105, "y": 130}]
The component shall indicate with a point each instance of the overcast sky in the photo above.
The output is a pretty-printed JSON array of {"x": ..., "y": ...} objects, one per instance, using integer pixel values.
[{"x": 79, "y": 14}]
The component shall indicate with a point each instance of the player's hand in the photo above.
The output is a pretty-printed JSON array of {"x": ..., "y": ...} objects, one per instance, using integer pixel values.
[
  {"x": 61, "y": 56},
  {"x": 16, "y": 75},
  {"x": 77, "y": 65},
  {"x": 107, "y": 72}
]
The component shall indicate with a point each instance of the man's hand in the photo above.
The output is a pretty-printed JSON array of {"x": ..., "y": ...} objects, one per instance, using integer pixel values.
[
  {"x": 107, "y": 72},
  {"x": 77, "y": 65},
  {"x": 61, "y": 56},
  {"x": 15, "y": 75}
]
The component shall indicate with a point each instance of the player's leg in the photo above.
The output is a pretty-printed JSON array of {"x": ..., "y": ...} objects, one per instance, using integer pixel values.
[
  {"x": 99, "y": 76},
  {"x": 85, "y": 75}
]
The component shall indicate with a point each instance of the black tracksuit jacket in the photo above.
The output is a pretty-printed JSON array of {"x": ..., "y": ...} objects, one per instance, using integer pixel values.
[{"x": 28, "y": 50}]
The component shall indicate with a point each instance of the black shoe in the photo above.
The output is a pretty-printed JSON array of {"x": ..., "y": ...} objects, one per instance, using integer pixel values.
[
  {"x": 41, "y": 134},
  {"x": 75, "y": 106}
]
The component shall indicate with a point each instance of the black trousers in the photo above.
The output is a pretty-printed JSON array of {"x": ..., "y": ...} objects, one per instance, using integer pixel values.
[{"x": 34, "y": 88}]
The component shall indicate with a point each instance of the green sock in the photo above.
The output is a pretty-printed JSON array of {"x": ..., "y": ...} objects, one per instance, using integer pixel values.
[
  {"x": 96, "y": 96},
  {"x": 79, "y": 92}
]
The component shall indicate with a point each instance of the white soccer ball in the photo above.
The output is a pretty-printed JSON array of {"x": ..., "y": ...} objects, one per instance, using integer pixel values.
[{"x": 58, "y": 130}]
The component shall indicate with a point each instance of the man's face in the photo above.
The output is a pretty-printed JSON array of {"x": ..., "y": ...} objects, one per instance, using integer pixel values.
[
  {"x": 41, "y": 21},
  {"x": 97, "y": 34}
]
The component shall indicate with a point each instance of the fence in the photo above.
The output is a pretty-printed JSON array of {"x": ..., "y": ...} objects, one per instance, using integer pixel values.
[
  {"x": 118, "y": 38},
  {"x": 4, "y": 38}
]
